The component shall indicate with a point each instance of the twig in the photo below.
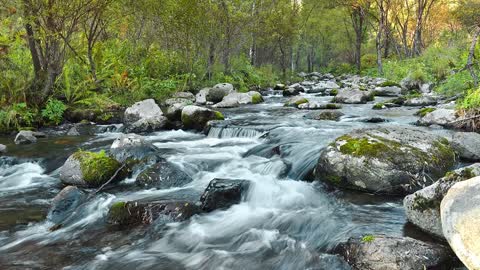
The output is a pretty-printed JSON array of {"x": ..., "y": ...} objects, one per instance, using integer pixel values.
[{"x": 108, "y": 182}]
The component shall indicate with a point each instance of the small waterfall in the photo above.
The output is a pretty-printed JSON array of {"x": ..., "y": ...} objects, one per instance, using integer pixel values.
[{"x": 234, "y": 132}]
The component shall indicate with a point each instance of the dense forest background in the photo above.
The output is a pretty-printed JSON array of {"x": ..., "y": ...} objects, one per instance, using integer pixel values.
[{"x": 58, "y": 56}]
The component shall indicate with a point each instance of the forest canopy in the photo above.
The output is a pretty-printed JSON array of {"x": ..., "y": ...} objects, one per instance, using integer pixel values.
[{"x": 58, "y": 55}]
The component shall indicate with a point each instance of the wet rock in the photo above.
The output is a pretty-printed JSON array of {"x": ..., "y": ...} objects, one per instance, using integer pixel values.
[
  {"x": 388, "y": 91},
  {"x": 379, "y": 106},
  {"x": 441, "y": 117},
  {"x": 162, "y": 175},
  {"x": 353, "y": 96},
  {"x": 421, "y": 101},
  {"x": 235, "y": 99},
  {"x": 318, "y": 106},
  {"x": 65, "y": 203},
  {"x": 375, "y": 120},
  {"x": 223, "y": 193},
  {"x": 467, "y": 145},
  {"x": 89, "y": 169},
  {"x": 385, "y": 160},
  {"x": 423, "y": 207},
  {"x": 131, "y": 146},
  {"x": 295, "y": 101},
  {"x": 3, "y": 149},
  {"x": 325, "y": 115},
  {"x": 194, "y": 117},
  {"x": 144, "y": 116},
  {"x": 174, "y": 111},
  {"x": 201, "y": 97},
  {"x": 393, "y": 253},
  {"x": 460, "y": 213},
  {"x": 82, "y": 129},
  {"x": 219, "y": 91},
  {"x": 293, "y": 90},
  {"x": 138, "y": 213},
  {"x": 28, "y": 137},
  {"x": 279, "y": 86},
  {"x": 328, "y": 261}
]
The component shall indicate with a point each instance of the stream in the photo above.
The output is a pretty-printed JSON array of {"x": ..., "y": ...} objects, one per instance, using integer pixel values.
[{"x": 284, "y": 223}]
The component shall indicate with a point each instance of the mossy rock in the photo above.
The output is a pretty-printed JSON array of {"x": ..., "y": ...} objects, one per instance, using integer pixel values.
[
  {"x": 90, "y": 169},
  {"x": 424, "y": 111},
  {"x": 385, "y": 160},
  {"x": 295, "y": 102},
  {"x": 389, "y": 84},
  {"x": 257, "y": 98},
  {"x": 194, "y": 117},
  {"x": 378, "y": 106},
  {"x": 334, "y": 92}
]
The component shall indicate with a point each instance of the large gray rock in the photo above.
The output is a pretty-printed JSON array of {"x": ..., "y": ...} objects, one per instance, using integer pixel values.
[
  {"x": 441, "y": 117},
  {"x": 28, "y": 137},
  {"x": 162, "y": 175},
  {"x": 388, "y": 91},
  {"x": 219, "y": 91},
  {"x": 385, "y": 160},
  {"x": 393, "y": 253},
  {"x": 131, "y": 147},
  {"x": 194, "y": 117},
  {"x": 421, "y": 101},
  {"x": 144, "y": 116},
  {"x": 460, "y": 214},
  {"x": 82, "y": 129},
  {"x": 322, "y": 87},
  {"x": 65, "y": 203},
  {"x": 90, "y": 169},
  {"x": 3, "y": 149},
  {"x": 423, "y": 207},
  {"x": 223, "y": 193},
  {"x": 295, "y": 101},
  {"x": 201, "y": 97},
  {"x": 174, "y": 111},
  {"x": 235, "y": 99},
  {"x": 467, "y": 145},
  {"x": 325, "y": 115},
  {"x": 138, "y": 213},
  {"x": 352, "y": 96}
]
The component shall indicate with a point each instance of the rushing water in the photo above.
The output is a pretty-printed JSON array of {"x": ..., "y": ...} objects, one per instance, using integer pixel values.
[{"x": 284, "y": 223}]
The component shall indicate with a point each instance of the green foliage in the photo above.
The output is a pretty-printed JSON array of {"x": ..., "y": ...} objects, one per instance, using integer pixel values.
[
  {"x": 368, "y": 238},
  {"x": 424, "y": 111},
  {"x": 54, "y": 110},
  {"x": 457, "y": 83},
  {"x": 16, "y": 116},
  {"x": 471, "y": 101}
]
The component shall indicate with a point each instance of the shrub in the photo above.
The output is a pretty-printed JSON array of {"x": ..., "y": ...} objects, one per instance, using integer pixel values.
[
  {"x": 16, "y": 116},
  {"x": 53, "y": 111}
]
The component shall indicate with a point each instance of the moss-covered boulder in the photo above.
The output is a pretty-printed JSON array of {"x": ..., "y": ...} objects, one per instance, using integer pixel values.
[
  {"x": 330, "y": 115},
  {"x": 90, "y": 169},
  {"x": 163, "y": 174},
  {"x": 385, "y": 160},
  {"x": 423, "y": 207},
  {"x": 138, "y": 213},
  {"x": 195, "y": 117},
  {"x": 295, "y": 101}
]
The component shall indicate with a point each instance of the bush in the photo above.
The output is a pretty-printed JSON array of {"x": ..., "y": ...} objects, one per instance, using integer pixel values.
[
  {"x": 471, "y": 101},
  {"x": 53, "y": 111},
  {"x": 16, "y": 116}
]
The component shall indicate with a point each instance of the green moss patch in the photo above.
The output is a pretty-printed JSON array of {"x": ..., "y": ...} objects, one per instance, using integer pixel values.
[
  {"x": 257, "y": 98},
  {"x": 389, "y": 84},
  {"x": 378, "y": 106},
  {"x": 368, "y": 238},
  {"x": 421, "y": 203},
  {"x": 334, "y": 92},
  {"x": 333, "y": 106},
  {"x": 424, "y": 111},
  {"x": 362, "y": 147},
  {"x": 219, "y": 116},
  {"x": 97, "y": 168}
]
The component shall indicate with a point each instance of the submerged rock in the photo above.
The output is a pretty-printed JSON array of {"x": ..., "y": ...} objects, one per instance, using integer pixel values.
[
  {"x": 131, "y": 147},
  {"x": 325, "y": 115},
  {"x": 460, "y": 212},
  {"x": 194, "y": 117},
  {"x": 353, "y": 96},
  {"x": 467, "y": 145},
  {"x": 423, "y": 207},
  {"x": 65, "y": 203},
  {"x": 144, "y": 116},
  {"x": 163, "y": 174},
  {"x": 223, "y": 193},
  {"x": 137, "y": 213},
  {"x": 90, "y": 169},
  {"x": 393, "y": 253},
  {"x": 28, "y": 137},
  {"x": 385, "y": 160},
  {"x": 295, "y": 101}
]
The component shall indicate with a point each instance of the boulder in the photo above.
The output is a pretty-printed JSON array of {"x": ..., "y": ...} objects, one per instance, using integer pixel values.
[
  {"x": 201, "y": 97},
  {"x": 295, "y": 101},
  {"x": 441, "y": 117},
  {"x": 352, "y": 96},
  {"x": 318, "y": 106},
  {"x": 279, "y": 86},
  {"x": 174, "y": 111},
  {"x": 90, "y": 169},
  {"x": 420, "y": 101},
  {"x": 423, "y": 207},
  {"x": 162, "y": 175},
  {"x": 65, "y": 203},
  {"x": 388, "y": 91},
  {"x": 235, "y": 99},
  {"x": 293, "y": 90},
  {"x": 385, "y": 160},
  {"x": 393, "y": 253},
  {"x": 3, "y": 149},
  {"x": 460, "y": 214},
  {"x": 467, "y": 145},
  {"x": 194, "y": 117},
  {"x": 131, "y": 147},
  {"x": 219, "y": 91},
  {"x": 325, "y": 115},
  {"x": 138, "y": 213},
  {"x": 322, "y": 87},
  {"x": 185, "y": 95},
  {"x": 144, "y": 116},
  {"x": 82, "y": 129},
  {"x": 223, "y": 193},
  {"x": 28, "y": 137}
]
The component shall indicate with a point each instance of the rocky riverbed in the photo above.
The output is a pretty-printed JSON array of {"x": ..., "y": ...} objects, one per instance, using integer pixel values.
[{"x": 307, "y": 176}]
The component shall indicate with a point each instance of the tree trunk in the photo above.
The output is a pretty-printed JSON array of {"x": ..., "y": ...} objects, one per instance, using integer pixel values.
[
  {"x": 471, "y": 56},
  {"x": 211, "y": 60},
  {"x": 378, "y": 40},
  {"x": 93, "y": 69}
]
